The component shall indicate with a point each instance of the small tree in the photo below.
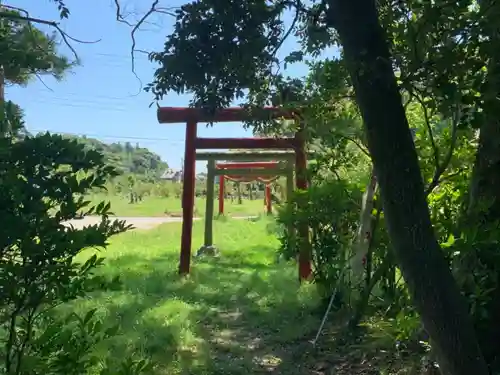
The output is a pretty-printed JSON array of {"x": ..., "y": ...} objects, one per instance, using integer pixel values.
[
  {"x": 44, "y": 180},
  {"x": 332, "y": 214}
]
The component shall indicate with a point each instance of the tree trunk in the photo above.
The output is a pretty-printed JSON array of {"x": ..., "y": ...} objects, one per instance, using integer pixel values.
[
  {"x": 434, "y": 291},
  {"x": 484, "y": 194},
  {"x": 483, "y": 213},
  {"x": 486, "y": 174}
]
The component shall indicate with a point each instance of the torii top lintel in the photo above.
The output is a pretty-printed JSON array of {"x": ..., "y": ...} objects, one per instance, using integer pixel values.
[
  {"x": 247, "y": 164},
  {"x": 175, "y": 115}
]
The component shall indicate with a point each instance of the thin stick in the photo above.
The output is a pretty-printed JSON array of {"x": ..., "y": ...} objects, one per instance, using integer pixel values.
[{"x": 325, "y": 316}]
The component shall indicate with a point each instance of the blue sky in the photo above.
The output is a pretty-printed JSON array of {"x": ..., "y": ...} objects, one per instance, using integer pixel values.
[{"x": 102, "y": 98}]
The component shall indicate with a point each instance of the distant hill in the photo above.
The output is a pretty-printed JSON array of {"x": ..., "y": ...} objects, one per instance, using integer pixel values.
[{"x": 127, "y": 158}]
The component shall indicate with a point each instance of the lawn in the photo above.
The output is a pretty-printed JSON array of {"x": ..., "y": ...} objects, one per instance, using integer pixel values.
[
  {"x": 155, "y": 206},
  {"x": 242, "y": 313}
]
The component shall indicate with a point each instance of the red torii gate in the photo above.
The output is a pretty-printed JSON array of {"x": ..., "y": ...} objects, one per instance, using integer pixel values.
[
  {"x": 234, "y": 165},
  {"x": 192, "y": 116}
]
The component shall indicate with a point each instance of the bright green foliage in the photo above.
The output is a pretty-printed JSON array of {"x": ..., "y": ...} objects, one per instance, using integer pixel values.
[
  {"x": 437, "y": 50},
  {"x": 126, "y": 158},
  {"x": 30, "y": 52},
  {"x": 218, "y": 49},
  {"x": 44, "y": 180},
  {"x": 331, "y": 210},
  {"x": 11, "y": 122},
  {"x": 67, "y": 346}
]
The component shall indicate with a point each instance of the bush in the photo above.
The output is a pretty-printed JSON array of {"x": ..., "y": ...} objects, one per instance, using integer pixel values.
[
  {"x": 331, "y": 210},
  {"x": 44, "y": 180}
]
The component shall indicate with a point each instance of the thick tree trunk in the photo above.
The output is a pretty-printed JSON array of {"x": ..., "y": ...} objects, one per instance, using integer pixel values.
[
  {"x": 484, "y": 212},
  {"x": 434, "y": 291},
  {"x": 486, "y": 177},
  {"x": 484, "y": 203}
]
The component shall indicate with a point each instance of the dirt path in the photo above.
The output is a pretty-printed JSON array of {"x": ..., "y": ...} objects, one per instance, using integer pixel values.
[{"x": 138, "y": 222}]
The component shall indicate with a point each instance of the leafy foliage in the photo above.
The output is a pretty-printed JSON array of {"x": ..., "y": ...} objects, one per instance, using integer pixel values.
[
  {"x": 44, "y": 262},
  {"x": 30, "y": 51},
  {"x": 447, "y": 63},
  {"x": 126, "y": 158},
  {"x": 331, "y": 210},
  {"x": 246, "y": 36},
  {"x": 41, "y": 190}
]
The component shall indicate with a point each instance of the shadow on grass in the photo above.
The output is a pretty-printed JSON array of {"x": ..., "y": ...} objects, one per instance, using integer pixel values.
[{"x": 234, "y": 315}]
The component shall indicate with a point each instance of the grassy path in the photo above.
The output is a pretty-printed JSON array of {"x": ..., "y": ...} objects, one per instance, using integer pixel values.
[{"x": 239, "y": 314}]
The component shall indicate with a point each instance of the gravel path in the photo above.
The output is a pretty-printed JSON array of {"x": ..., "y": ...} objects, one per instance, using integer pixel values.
[{"x": 137, "y": 222}]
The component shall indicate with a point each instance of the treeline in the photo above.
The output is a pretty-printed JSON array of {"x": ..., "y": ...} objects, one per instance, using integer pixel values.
[{"x": 127, "y": 158}]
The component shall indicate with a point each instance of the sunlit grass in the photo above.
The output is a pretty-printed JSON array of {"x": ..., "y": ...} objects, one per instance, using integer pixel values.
[
  {"x": 155, "y": 206},
  {"x": 236, "y": 314}
]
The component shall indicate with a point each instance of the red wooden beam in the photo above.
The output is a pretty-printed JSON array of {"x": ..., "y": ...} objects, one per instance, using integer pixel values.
[
  {"x": 305, "y": 269},
  {"x": 255, "y": 164},
  {"x": 252, "y": 177},
  {"x": 269, "y": 205},
  {"x": 188, "y": 199},
  {"x": 174, "y": 115},
  {"x": 248, "y": 143},
  {"x": 221, "y": 195}
]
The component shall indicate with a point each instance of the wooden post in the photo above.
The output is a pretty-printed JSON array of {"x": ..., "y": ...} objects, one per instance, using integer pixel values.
[
  {"x": 221, "y": 194},
  {"x": 209, "y": 210},
  {"x": 188, "y": 198},
  {"x": 362, "y": 242},
  {"x": 292, "y": 235},
  {"x": 269, "y": 207},
  {"x": 289, "y": 184},
  {"x": 303, "y": 230}
]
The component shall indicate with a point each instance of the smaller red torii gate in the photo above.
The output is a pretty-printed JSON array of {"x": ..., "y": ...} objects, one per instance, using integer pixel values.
[
  {"x": 234, "y": 165},
  {"x": 192, "y": 116}
]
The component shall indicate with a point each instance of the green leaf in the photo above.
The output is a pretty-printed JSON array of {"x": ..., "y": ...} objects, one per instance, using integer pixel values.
[{"x": 89, "y": 316}]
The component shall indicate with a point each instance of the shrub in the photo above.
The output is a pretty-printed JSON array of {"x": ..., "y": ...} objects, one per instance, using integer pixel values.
[
  {"x": 44, "y": 180},
  {"x": 331, "y": 210}
]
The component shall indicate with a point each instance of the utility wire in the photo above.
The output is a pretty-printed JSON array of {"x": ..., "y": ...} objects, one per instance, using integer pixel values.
[
  {"x": 44, "y": 93},
  {"x": 96, "y": 106},
  {"x": 89, "y": 100},
  {"x": 123, "y": 57},
  {"x": 171, "y": 141}
]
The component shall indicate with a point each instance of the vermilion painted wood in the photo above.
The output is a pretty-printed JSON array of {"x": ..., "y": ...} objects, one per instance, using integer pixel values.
[
  {"x": 255, "y": 164},
  {"x": 268, "y": 200},
  {"x": 191, "y": 116},
  {"x": 221, "y": 195},
  {"x": 305, "y": 269},
  {"x": 264, "y": 165},
  {"x": 175, "y": 115},
  {"x": 248, "y": 143},
  {"x": 188, "y": 198}
]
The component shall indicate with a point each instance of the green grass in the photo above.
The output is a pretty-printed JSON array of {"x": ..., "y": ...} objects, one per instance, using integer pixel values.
[
  {"x": 155, "y": 206},
  {"x": 241, "y": 313}
]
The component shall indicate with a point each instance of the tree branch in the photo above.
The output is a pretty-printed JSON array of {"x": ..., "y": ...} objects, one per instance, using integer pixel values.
[
  {"x": 154, "y": 8},
  {"x": 43, "y": 82},
  {"x": 444, "y": 165},
  {"x": 65, "y": 36},
  {"x": 290, "y": 29},
  {"x": 435, "y": 149},
  {"x": 358, "y": 144}
]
